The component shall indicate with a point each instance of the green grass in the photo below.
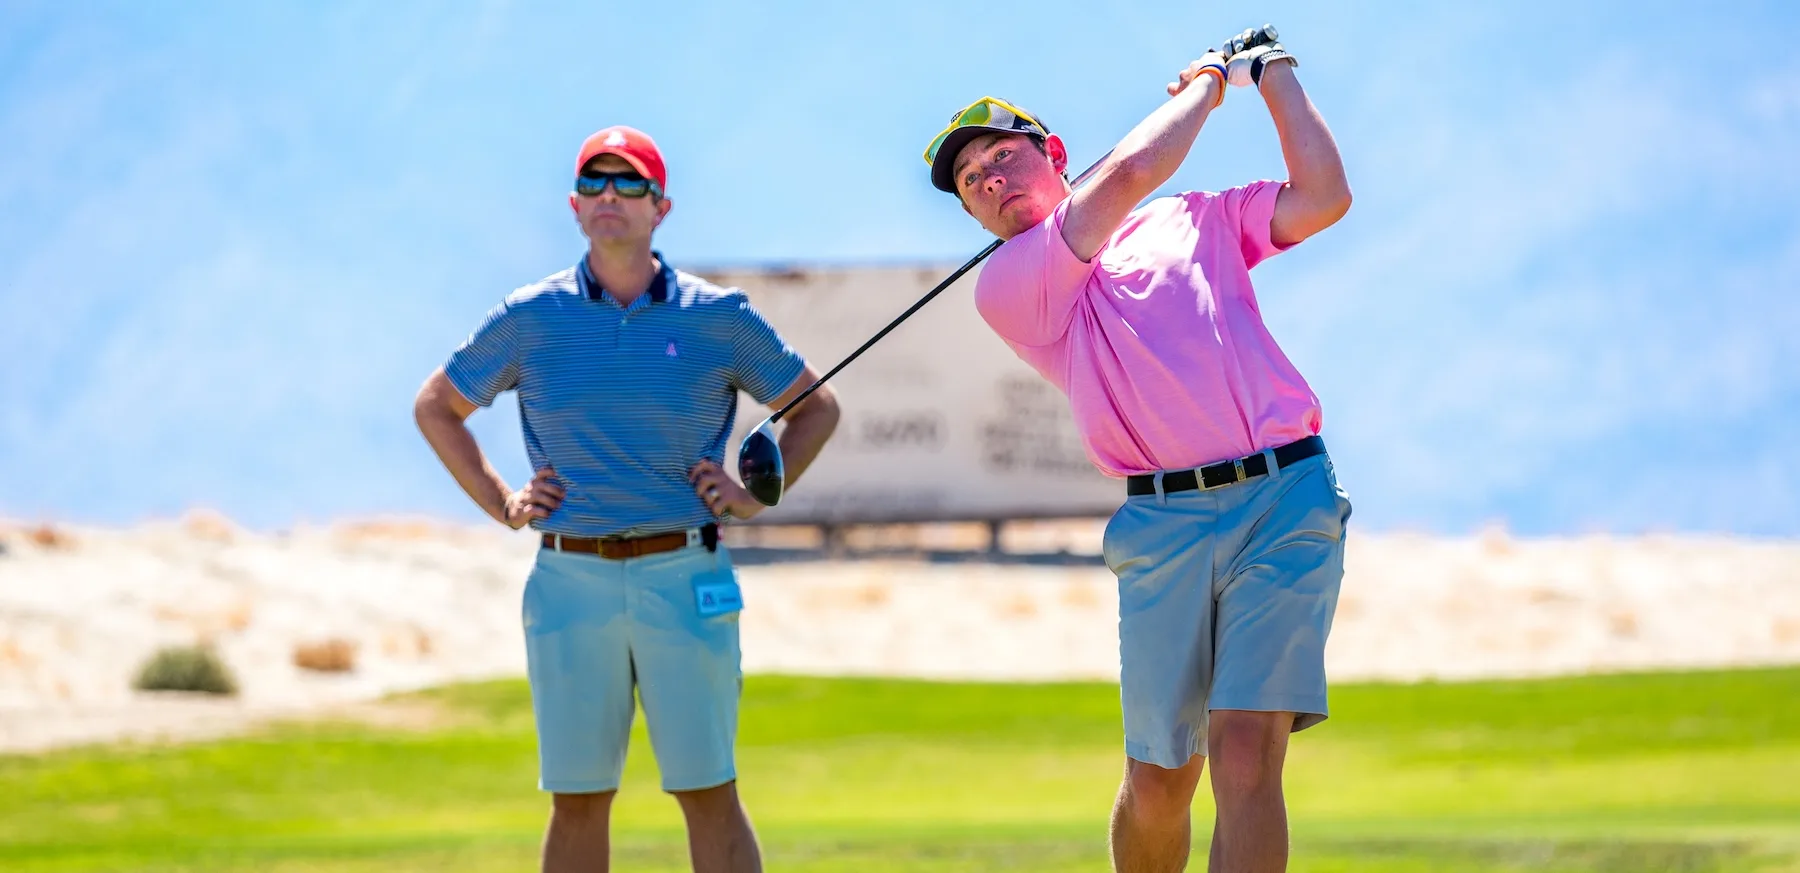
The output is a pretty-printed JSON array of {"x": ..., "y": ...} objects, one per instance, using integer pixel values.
[{"x": 1675, "y": 772}]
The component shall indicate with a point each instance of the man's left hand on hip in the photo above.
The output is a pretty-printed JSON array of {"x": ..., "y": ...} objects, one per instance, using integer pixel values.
[{"x": 723, "y": 495}]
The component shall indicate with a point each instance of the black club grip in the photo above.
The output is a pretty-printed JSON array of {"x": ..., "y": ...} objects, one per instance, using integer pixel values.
[{"x": 1250, "y": 39}]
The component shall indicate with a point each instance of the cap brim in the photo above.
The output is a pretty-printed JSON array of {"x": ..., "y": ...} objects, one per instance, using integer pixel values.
[
  {"x": 943, "y": 169},
  {"x": 635, "y": 163}
]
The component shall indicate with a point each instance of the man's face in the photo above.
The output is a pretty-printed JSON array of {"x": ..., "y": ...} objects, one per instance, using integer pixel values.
[
  {"x": 1008, "y": 184},
  {"x": 608, "y": 218}
]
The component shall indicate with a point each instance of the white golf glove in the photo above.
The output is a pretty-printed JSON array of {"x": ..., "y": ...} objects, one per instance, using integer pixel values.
[{"x": 1246, "y": 67}]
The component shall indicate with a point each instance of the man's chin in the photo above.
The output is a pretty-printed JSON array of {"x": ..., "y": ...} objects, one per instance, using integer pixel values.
[
  {"x": 1015, "y": 222},
  {"x": 611, "y": 233}
]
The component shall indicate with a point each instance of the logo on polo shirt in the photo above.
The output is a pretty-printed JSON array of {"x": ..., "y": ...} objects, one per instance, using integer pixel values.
[{"x": 670, "y": 351}]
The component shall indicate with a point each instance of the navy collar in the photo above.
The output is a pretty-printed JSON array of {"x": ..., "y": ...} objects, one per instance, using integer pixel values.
[{"x": 660, "y": 287}]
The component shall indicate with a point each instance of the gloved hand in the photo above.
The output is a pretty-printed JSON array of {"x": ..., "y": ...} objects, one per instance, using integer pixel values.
[{"x": 1247, "y": 63}]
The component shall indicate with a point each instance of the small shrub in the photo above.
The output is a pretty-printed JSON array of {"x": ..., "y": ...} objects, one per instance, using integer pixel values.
[
  {"x": 48, "y": 537},
  {"x": 326, "y": 656},
  {"x": 186, "y": 668},
  {"x": 407, "y": 641},
  {"x": 211, "y": 526}
]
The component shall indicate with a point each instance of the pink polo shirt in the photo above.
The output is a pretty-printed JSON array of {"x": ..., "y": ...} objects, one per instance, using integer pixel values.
[{"x": 1158, "y": 342}]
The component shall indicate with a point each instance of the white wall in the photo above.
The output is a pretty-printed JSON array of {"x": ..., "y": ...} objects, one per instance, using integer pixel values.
[{"x": 941, "y": 421}]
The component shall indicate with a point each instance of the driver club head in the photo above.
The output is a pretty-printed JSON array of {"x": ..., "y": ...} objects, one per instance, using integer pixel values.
[{"x": 760, "y": 467}]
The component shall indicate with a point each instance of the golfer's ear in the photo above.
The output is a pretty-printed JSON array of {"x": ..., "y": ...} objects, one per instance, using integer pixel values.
[
  {"x": 1059, "y": 153},
  {"x": 574, "y": 206},
  {"x": 662, "y": 209}
]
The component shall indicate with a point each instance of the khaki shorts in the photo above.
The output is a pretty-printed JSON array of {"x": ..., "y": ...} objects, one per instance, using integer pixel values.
[
  {"x": 1226, "y": 597},
  {"x": 664, "y": 626}
]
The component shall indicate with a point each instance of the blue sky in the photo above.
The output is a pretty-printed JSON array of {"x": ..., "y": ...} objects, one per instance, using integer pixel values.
[{"x": 235, "y": 237}]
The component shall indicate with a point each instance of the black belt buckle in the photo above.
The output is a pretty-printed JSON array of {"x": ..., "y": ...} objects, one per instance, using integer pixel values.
[
  {"x": 1234, "y": 471},
  {"x": 709, "y": 537}
]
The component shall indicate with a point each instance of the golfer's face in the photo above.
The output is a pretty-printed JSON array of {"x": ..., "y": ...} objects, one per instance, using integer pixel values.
[
  {"x": 611, "y": 218},
  {"x": 1007, "y": 183}
]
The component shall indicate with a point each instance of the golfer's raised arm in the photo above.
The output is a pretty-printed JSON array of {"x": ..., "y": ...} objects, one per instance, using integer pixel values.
[
  {"x": 1146, "y": 158},
  {"x": 1317, "y": 192}
]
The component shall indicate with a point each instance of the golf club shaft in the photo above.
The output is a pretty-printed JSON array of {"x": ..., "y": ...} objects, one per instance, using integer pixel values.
[{"x": 948, "y": 281}]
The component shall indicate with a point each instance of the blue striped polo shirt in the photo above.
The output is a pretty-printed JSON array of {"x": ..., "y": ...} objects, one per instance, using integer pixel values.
[{"x": 622, "y": 400}]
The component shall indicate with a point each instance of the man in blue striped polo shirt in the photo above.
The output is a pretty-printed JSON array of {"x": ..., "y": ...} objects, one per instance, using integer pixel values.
[{"x": 627, "y": 373}]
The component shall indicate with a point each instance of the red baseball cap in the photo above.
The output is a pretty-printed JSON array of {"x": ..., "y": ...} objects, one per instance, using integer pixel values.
[{"x": 635, "y": 146}]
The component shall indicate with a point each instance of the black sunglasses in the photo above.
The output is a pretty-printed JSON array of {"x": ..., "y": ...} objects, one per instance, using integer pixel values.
[{"x": 630, "y": 186}]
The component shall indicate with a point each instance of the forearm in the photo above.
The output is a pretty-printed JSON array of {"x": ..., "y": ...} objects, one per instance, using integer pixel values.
[
  {"x": 1146, "y": 158},
  {"x": 1315, "y": 169},
  {"x": 1151, "y": 153},
  {"x": 455, "y": 446},
  {"x": 809, "y": 426}
]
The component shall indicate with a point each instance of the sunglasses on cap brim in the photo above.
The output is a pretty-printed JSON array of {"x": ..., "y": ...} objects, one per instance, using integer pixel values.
[
  {"x": 989, "y": 112},
  {"x": 628, "y": 185}
]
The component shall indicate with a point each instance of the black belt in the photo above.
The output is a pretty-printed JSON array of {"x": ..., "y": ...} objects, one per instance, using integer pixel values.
[{"x": 1226, "y": 472}]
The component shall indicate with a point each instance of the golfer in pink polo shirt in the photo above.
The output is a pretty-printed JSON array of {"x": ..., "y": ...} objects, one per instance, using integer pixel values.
[{"x": 1230, "y": 546}]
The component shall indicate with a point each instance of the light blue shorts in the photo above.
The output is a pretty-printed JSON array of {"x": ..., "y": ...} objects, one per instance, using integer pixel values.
[
  {"x": 1225, "y": 600},
  {"x": 665, "y": 625}
]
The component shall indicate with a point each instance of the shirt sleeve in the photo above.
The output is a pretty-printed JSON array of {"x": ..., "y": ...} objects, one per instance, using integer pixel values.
[
  {"x": 1028, "y": 289},
  {"x": 1250, "y": 209},
  {"x": 763, "y": 364},
  {"x": 487, "y": 363}
]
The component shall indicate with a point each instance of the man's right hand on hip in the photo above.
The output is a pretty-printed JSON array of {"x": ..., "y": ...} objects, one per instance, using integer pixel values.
[{"x": 540, "y": 497}]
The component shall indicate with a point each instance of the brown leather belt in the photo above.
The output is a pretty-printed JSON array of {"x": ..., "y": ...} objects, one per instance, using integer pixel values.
[{"x": 619, "y": 548}]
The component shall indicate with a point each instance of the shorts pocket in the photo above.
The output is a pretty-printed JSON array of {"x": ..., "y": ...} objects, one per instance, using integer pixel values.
[
  {"x": 715, "y": 602},
  {"x": 716, "y": 591},
  {"x": 1107, "y": 549},
  {"x": 1338, "y": 493},
  {"x": 536, "y": 614}
]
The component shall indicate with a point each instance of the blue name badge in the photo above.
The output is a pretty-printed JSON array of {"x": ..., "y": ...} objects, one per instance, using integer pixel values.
[{"x": 717, "y": 597}]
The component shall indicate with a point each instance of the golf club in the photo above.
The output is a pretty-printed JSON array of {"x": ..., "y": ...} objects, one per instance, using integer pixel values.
[{"x": 760, "y": 466}]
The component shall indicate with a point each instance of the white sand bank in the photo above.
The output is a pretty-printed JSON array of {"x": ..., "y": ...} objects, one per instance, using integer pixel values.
[{"x": 424, "y": 604}]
